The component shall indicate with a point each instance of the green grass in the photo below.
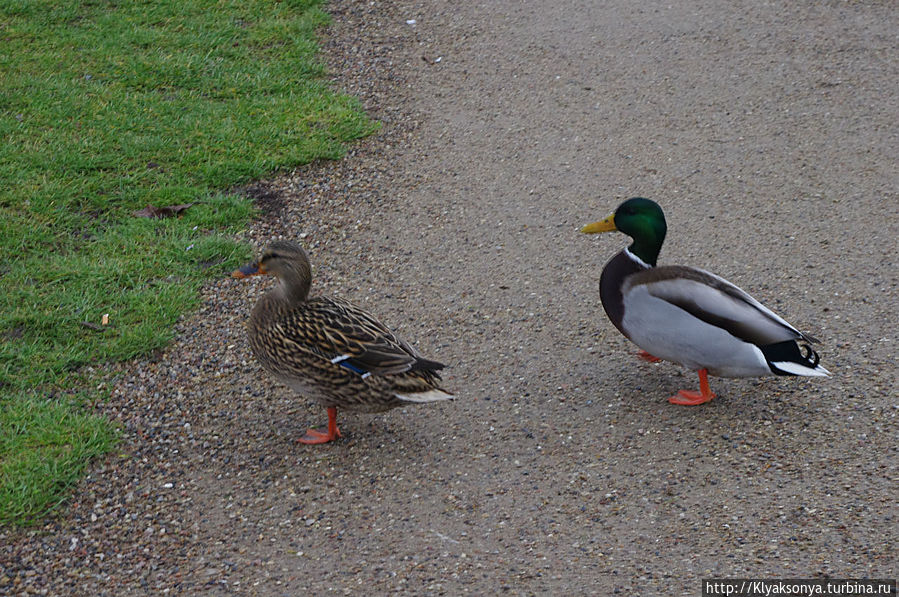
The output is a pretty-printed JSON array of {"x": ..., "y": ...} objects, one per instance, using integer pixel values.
[
  {"x": 46, "y": 446},
  {"x": 106, "y": 107}
]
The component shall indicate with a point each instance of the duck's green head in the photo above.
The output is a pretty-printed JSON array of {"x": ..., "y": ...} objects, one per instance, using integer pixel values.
[{"x": 642, "y": 220}]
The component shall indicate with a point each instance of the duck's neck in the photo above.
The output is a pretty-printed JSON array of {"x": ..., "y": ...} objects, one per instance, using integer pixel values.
[
  {"x": 613, "y": 276},
  {"x": 647, "y": 249},
  {"x": 294, "y": 287}
]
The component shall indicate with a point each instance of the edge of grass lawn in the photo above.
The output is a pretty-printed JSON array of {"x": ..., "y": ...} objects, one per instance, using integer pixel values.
[{"x": 105, "y": 109}]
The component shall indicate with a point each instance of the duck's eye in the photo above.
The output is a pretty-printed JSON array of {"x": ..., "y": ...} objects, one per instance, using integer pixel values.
[{"x": 268, "y": 256}]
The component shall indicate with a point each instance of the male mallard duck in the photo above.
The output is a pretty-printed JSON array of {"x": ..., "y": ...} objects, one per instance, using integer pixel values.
[
  {"x": 689, "y": 315},
  {"x": 330, "y": 350}
]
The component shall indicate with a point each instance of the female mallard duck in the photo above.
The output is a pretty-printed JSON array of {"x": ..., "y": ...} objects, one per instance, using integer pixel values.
[
  {"x": 691, "y": 316},
  {"x": 330, "y": 350}
]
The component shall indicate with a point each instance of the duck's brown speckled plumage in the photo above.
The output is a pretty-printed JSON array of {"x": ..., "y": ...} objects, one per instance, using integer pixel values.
[
  {"x": 297, "y": 343},
  {"x": 328, "y": 349}
]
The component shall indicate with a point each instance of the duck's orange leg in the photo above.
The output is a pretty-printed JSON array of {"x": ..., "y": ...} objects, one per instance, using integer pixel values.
[
  {"x": 690, "y": 398},
  {"x": 649, "y": 358},
  {"x": 313, "y": 436}
]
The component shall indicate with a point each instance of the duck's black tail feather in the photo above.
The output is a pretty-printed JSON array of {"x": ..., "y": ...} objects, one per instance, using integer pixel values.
[{"x": 791, "y": 358}]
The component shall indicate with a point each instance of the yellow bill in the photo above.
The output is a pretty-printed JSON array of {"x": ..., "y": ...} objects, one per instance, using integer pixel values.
[{"x": 607, "y": 225}]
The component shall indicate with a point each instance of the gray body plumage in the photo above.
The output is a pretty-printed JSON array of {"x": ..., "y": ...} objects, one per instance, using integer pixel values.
[{"x": 693, "y": 317}]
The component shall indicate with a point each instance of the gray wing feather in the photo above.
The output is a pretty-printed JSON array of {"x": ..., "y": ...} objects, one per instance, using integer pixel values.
[{"x": 716, "y": 301}]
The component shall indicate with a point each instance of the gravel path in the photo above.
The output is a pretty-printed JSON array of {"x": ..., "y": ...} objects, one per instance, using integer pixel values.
[{"x": 769, "y": 135}]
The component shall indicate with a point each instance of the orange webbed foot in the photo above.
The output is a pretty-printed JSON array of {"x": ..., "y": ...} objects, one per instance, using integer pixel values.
[
  {"x": 649, "y": 358},
  {"x": 691, "y": 398},
  {"x": 313, "y": 436}
]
